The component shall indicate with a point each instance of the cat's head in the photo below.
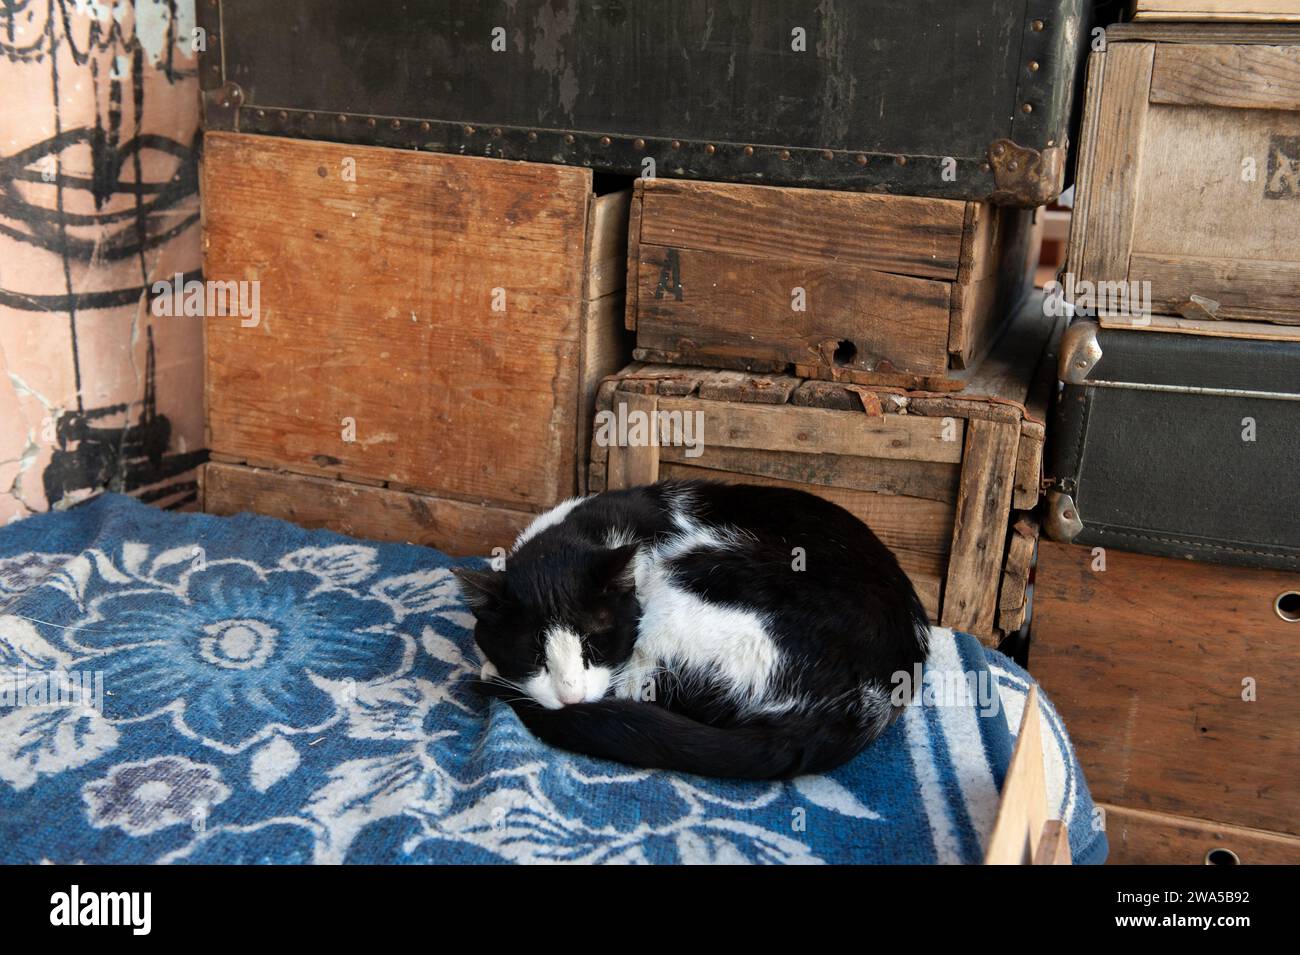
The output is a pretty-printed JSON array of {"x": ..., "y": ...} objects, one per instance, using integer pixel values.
[{"x": 556, "y": 623}]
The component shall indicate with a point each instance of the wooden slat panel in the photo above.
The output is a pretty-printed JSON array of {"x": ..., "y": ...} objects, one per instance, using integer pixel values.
[
  {"x": 372, "y": 513},
  {"x": 634, "y": 465},
  {"x": 1138, "y": 837},
  {"x": 1241, "y": 77},
  {"x": 983, "y": 507},
  {"x": 1244, "y": 288},
  {"x": 1117, "y": 118},
  {"x": 818, "y": 431},
  {"x": 1218, "y": 10},
  {"x": 606, "y": 347},
  {"x": 1022, "y": 812},
  {"x": 376, "y": 300},
  {"x": 1150, "y": 662},
  {"x": 1195, "y": 198},
  {"x": 924, "y": 479},
  {"x": 740, "y": 307},
  {"x": 901, "y": 234},
  {"x": 607, "y": 244}
]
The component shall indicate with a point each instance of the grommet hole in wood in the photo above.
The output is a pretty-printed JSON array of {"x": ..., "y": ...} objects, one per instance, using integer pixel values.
[
  {"x": 1222, "y": 857},
  {"x": 1287, "y": 606}
]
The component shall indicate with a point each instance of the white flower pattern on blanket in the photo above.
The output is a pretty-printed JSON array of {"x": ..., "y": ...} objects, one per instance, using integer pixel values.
[{"x": 268, "y": 661}]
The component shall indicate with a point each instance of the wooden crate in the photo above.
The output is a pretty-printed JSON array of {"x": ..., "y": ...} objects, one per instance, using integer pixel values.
[
  {"x": 1189, "y": 178},
  {"x": 431, "y": 326},
  {"x": 1151, "y": 663},
  {"x": 1245, "y": 11},
  {"x": 872, "y": 289},
  {"x": 944, "y": 480}
]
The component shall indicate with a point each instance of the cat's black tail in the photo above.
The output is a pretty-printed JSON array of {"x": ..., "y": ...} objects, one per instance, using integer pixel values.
[{"x": 649, "y": 736}]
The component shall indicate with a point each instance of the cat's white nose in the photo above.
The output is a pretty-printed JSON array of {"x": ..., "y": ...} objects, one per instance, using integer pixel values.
[{"x": 569, "y": 693}]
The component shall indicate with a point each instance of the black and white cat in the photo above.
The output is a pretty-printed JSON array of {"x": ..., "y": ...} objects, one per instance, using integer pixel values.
[{"x": 724, "y": 630}]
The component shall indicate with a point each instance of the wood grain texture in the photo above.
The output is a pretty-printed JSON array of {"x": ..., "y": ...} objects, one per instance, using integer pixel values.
[
  {"x": 928, "y": 480},
  {"x": 816, "y": 431},
  {"x": 361, "y": 511},
  {"x": 1022, "y": 811},
  {"x": 631, "y": 465},
  {"x": 1255, "y": 330},
  {"x": 604, "y": 348},
  {"x": 377, "y": 306},
  {"x": 1241, "y": 77},
  {"x": 1146, "y": 662},
  {"x": 1244, "y": 288},
  {"x": 898, "y": 234},
  {"x": 1116, "y": 122},
  {"x": 1138, "y": 837},
  {"x": 983, "y": 508},
  {"x": 1196, "y": 200},
  {"x": 1262, "y": 11},
  {"x": 729, "y": 305}
]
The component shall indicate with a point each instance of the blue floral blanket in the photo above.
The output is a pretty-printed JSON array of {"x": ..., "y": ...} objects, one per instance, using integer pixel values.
[{"x": 185, "y": 688}]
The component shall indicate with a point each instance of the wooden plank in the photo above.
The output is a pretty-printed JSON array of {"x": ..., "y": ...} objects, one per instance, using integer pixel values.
[
  {"x": 921, "y": 479},
  {"x": 1114, "y": 174},
  {"x": 1238, "y": 77},
  {"x": 1022, "y": 811},
  {"x": 1255, "y": 330},
  {"x": 900, "y": 234},
  {"x": 607, "y": 230},
  {"x": 633, "y": 254},
  {"x": 1246, "y": 289},
  {"x": 632, "y": 465},
  {"x": 983, "y": 505},
  {"x": 606, "y": 347},
  {"x": 729, "y": 305},
  {"x": 1173, "y": 677},
  {"x": 817, "y": 431},
  {"x": 445, "y": 392},
  {"x": 1054, "y": 845},
  {"x": 740, "y": 386},
  {"x": 453, "y": 527},
  {"x": 1138, "y": 837},
  {"x": 1013, "y": 594},
  {"x": 1243, "y": 10}
]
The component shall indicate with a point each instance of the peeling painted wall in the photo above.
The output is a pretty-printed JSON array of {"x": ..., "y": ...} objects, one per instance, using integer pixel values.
[{"x": 98, "y": 200}]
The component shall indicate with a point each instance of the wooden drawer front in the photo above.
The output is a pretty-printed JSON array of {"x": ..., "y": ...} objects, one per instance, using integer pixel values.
[
  {"x": 1152, "y": 664},
  {"x": 1190, "y": 180},
  {"x": 359, "y": 510},
  {"x": 879, "y": 289},
  {"x": 425, "y": 319},
  {"x": 1154, "y": 838}
]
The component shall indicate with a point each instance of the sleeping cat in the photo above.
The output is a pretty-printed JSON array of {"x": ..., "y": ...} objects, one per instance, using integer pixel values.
[{"x": 723, "y": 630}]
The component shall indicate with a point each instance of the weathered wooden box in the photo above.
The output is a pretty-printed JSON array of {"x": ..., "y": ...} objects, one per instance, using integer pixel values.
[
  {"x": 1189, "y": 180},
  {"x": 875, "y": 289},
  {"x": 432, "y": 330},
  {"x": 1177, "y": 682},
  {"x": 944, "y": 480}
]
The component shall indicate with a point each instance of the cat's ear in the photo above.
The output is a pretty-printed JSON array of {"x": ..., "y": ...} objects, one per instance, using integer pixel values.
[
  {"x": 612, "y": 569},
  {"x": 483, "y": 590}
]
